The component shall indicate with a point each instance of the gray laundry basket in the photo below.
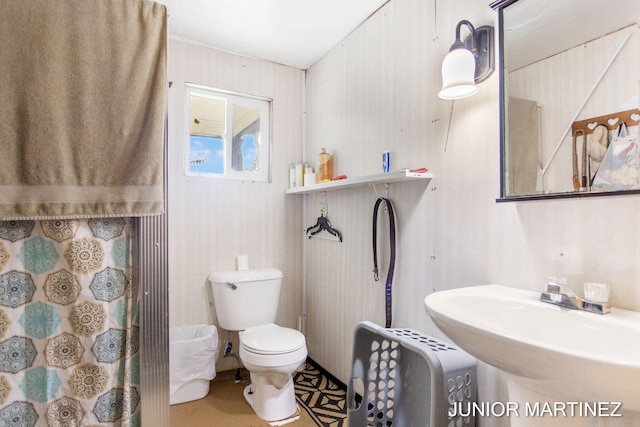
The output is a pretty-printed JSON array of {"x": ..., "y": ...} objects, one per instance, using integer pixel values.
[{"x": 403, "y": 378}]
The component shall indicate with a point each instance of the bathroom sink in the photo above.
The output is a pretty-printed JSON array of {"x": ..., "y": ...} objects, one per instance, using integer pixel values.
[{"x": 558, "y": 353}]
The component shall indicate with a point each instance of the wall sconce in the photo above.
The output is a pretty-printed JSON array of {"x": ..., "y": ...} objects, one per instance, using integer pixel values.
[{"x": 468, "y": 62}]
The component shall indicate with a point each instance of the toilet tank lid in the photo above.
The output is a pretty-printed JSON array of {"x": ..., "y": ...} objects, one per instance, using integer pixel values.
[{"x": 239, "y": 276}]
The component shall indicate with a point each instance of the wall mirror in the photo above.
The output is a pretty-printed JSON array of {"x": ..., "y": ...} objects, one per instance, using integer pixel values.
[{"x": 570, "y": 76}]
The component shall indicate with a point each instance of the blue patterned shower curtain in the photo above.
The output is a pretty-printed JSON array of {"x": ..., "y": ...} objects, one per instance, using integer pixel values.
[{"x": 68, "y": 324}]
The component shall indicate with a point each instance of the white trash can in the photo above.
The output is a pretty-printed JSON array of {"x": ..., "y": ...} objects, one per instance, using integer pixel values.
[{"x": 193, "y": 351}]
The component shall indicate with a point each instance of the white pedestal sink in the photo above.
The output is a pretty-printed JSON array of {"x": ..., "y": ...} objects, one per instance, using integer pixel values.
[{"x": 573, "y": 360}]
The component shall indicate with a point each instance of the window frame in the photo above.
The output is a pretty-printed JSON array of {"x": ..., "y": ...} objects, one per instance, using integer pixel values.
[{"x": 263, "y": 141}]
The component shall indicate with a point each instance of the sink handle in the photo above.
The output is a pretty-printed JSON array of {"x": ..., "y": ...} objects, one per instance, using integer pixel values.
[
  {"x": 558, "y": 288},
  {"x": 560, "y": 294}
]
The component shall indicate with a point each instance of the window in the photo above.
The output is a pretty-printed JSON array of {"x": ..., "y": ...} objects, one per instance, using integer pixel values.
[{"x": 228, "y": 135}]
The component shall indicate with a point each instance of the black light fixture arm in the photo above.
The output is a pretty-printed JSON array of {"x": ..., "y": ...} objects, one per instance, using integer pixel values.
[
  {"x": 459, "y": 44},
  {"x": 480, "y": 44}
]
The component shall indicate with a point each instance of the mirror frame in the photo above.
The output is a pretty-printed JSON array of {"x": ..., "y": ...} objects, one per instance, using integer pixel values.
[{"x": 499, "y": 6}]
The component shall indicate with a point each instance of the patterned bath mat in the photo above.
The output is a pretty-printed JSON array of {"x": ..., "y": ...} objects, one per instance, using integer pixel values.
[{"x": 323, "y": 397}]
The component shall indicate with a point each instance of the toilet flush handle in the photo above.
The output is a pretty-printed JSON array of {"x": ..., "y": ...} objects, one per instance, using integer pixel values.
[{"x": 232, "y": 285}]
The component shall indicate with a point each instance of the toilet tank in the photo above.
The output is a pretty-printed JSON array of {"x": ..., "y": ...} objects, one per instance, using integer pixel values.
[{"x": 246, "y": 298}]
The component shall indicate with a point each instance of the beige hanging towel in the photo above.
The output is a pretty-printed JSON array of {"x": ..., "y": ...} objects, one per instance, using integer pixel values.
[{"x": 82, "y": 108}]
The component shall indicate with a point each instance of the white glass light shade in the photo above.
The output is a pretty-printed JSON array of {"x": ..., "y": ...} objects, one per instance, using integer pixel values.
[{"x": 458, "y": 75}]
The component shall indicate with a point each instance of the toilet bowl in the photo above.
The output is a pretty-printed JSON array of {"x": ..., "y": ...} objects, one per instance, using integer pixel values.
[
  {"x": 272, "y": 354},
  {"x": 247, "y": 301}
]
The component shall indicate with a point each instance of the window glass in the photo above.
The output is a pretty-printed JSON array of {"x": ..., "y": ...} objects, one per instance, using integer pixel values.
[
  {"x": 206, "y": 154},
  {"x": 229, "y": 135}
]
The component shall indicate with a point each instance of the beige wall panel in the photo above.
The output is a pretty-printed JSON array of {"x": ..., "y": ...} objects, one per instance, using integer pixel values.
[
  {"x": 211, "y": 221},
  {"x": 377, "y": 90}
]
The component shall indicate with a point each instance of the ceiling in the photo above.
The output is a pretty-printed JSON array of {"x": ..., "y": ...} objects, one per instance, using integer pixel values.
[
  {"x": 290, "y": 32},
  {"x": 530, "y": 25},
  {"x": 299, "y": 32}
]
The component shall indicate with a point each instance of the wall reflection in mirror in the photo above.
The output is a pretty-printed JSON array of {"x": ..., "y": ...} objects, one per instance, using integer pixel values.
[{"x": 571, "y": 79}]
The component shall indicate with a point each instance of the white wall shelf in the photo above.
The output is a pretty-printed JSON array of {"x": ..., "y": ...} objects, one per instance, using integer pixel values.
[{"x": 380, "y": 178}]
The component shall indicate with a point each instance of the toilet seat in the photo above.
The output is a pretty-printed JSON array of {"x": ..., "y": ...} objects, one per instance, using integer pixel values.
[{"x": 271, "y": 339}]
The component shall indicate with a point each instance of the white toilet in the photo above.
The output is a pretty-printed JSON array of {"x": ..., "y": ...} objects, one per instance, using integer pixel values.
[{"x": 247, "y": 301}]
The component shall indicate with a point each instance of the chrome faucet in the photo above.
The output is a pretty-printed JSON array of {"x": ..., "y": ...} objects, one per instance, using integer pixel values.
[{"x": 562, "y": 295}]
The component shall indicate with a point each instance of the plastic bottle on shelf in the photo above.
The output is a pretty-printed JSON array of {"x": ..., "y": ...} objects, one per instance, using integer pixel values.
[
  {"x": 309, "y": 175},
  {"x": 299, "y": 174},
  {"x": 325, "y": 166},
  {"x": 305, "y": 169}
]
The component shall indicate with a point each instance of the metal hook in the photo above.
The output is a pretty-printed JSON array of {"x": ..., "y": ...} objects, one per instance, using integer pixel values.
[
  {"x": 375, "y": 189},
  {"x": 323, "y": 205}
]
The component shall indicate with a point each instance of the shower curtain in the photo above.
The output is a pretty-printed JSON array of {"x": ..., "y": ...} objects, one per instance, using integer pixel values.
[
  {"x": 82, "y": 113},
  {"x": 69, "y": 337}
]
